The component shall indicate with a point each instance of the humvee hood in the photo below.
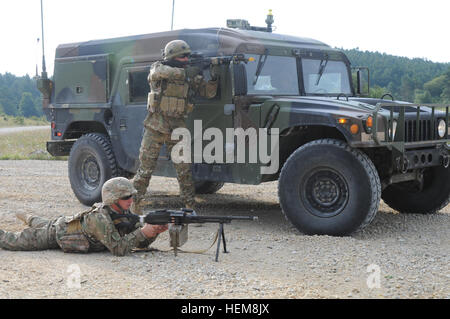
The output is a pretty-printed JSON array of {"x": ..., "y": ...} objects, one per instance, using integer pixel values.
[{"x": 326, "y": 104}]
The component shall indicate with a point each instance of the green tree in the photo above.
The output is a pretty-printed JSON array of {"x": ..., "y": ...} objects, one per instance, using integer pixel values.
[
  {"x": 407, "y": 88},
  {"x": 435, "y": 86},
  {"x": 26, "y": 105},
  {"x": 422, "y": 96},
  {"x": 377, "y": 92},
  {"x": 445, "y": 96}
]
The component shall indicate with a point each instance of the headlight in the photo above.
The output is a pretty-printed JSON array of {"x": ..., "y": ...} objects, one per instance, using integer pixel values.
[
  {"x": 394, "y": 129},
  {"x": 441, "y": 128}
]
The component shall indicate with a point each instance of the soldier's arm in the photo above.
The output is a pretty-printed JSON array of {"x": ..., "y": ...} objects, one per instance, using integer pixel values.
[
  {"x": 164, "y": 72},
  {"x": 204, "y": 88},
  {"x": 102, "y": 228}
]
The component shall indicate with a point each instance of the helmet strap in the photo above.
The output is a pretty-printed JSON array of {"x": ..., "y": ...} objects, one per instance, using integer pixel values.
[{"x": 117, "y": 208}]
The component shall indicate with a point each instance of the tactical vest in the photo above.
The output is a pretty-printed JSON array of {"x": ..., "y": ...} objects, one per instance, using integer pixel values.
[
  {"x": 69, "y": 233},
  {"x": 169, "y": 91}
]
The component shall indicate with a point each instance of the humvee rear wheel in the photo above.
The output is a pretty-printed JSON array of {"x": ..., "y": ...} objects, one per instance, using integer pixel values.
[
  {"x": 207, "y": 187},
  {"x": 427, "y": 197},
  {"x": 91, "y": 164},
  {"x": 327, "y": 188}
]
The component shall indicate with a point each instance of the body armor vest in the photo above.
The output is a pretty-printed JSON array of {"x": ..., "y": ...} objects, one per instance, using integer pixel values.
[{"x": 169, "y": 91}]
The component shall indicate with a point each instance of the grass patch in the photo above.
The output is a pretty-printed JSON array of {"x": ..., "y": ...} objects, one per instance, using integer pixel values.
[
  {"x": 29, "y": 145},
  {"x": 11, "y": 121}
]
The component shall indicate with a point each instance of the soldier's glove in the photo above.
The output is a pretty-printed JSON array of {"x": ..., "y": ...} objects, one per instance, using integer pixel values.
[
  {"x": 214, "y": 70},
  {"x": 198, "y": 79}
]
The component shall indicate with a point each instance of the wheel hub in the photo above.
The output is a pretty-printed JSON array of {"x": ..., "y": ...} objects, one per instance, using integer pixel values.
[
  {"x": 325, "y": 192},
  {"x": 90, "y": 172}
]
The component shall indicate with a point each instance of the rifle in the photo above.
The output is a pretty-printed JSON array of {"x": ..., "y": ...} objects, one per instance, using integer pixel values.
[
  {"x": 202, "y": 61},
  {"x": 178, "y": 218}
]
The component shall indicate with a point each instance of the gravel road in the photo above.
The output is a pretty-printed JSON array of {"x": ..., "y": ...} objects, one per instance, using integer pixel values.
[
  {"x": 9, "y": 130},
  {"x": 397, "y": 256}
]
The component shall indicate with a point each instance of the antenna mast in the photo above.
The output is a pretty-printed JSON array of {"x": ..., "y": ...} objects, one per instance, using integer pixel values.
[
  {"x": 173, "y": 10},
  {"x": 44, "y": 71}
]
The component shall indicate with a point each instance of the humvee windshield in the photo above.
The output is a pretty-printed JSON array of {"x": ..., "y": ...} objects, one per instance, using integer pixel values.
[
  {"x": 278, "y": 76},
  {"x": 325, "y": 77}
]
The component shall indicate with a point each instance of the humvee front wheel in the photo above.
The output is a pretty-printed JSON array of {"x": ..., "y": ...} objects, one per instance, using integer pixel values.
[
  {"x": 91, "y": 164},
  {"x": 427, "y": 197},
  {"x": 327, "y": 188}
]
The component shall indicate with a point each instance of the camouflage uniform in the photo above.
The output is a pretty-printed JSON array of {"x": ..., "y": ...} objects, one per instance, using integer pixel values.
[
  {"x": 168, "y": 106},
  {"x": 90, "y": 231}
]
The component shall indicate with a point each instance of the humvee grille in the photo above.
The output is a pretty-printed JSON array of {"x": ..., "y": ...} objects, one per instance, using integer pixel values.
[{"x": 425, "y": 132}]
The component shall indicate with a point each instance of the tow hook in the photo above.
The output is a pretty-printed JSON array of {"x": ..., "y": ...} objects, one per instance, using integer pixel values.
[
  {"x": 402, "y": 164},
  {"x": 445, "y": 160}
]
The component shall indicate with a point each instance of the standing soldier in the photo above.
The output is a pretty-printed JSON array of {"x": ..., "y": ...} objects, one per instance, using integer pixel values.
[
  {"x": 168, "y": 106},
  {"x": 96, "y": 229}
]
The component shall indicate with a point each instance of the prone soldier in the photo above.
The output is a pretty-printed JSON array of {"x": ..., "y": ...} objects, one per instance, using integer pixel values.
[{"x": 89, "y": 231}]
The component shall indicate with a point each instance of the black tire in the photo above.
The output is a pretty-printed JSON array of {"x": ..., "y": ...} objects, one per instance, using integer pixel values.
[
  {"x": 91, "y": 164},
  {"x": 327, "y": 188},
  {"x": 207, "y": 187},
  {"x": 409, "y": 197}
]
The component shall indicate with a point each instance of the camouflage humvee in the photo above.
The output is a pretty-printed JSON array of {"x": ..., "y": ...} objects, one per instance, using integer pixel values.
[{"x": 339, "y": 152}]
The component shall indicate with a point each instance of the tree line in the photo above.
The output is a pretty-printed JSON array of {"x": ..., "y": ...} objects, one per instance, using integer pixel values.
[
  {"x": 19, "y": 96},
  {"x": 413, "y": 80}
]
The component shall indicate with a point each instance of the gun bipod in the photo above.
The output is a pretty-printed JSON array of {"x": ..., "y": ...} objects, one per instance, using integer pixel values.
[{"x": 221, "y": 233}]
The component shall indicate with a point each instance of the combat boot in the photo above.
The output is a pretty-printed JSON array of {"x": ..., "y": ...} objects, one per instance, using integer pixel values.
[{"x": 24, "y": 217}]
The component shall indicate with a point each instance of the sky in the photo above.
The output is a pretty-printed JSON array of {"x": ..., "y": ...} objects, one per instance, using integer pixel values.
[{"x": 414, "y": 29}]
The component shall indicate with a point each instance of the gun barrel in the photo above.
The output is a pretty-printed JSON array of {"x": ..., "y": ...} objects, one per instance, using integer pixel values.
[
  {"x": 217, "y": 219},
  {"x": 180, "y": 217}
]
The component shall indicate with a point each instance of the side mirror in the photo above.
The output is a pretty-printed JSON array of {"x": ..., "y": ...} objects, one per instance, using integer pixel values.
[
  {"x": 362, "y": 81},
  {"x": 239, "y": 79}
]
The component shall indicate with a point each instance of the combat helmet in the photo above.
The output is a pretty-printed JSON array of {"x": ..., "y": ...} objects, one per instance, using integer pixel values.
[
  {"x": 115, "y": 189},
  {"x": 176, "y": 48}
]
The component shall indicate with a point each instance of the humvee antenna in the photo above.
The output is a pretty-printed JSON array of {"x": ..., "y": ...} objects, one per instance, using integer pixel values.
[
  {"x": 173, "y": 10},
  {"x": 37, "y": 58},
  {"x": 44, "y": 71}
]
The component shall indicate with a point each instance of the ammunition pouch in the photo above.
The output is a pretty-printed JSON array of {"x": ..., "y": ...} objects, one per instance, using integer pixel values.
[
  {"x": 178, "y": 235},
  {"x": 153, "y": 101},
  {"x": 72, "y": 239},
  {"x": 173, "y": 106},
  {"x": 75, "y": 243},
  {"x": 174, "y": 99}
]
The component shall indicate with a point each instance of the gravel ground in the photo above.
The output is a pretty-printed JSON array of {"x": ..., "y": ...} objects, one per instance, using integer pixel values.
[{"x": 397, "y": 256}]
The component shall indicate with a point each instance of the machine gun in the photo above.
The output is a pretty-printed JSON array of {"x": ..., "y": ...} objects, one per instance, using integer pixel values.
[
  {"x": 178, "y": 218},
  {"x": 198, "y": 59},
  {"x": 199, "y": 62}
]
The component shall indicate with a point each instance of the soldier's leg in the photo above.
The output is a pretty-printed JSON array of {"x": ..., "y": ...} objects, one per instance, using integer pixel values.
[
  {"x": 37, "y": 222},
  {"x": 30, "y": 239},
  {"x": 32, "y": 220},
  {"x": 152, "y": 142},
  {"x": 184, "y": 176}
]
